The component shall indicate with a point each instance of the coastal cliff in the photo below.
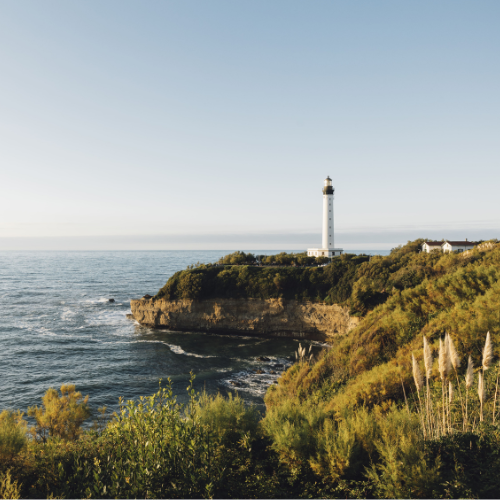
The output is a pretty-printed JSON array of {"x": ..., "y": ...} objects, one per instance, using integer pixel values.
[{"x": 272, "y": 317}]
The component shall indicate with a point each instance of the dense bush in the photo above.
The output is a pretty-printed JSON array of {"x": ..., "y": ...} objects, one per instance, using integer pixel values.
[
  {"x": 332, "y": 283},
  {"x": 359, "y": 281},
  {"x": 12, "y": 434},
  {"x": 60, "y": 416}
]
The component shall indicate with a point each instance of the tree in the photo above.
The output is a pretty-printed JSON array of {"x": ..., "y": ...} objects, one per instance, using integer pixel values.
[
  {"x": 322, "y": 260},
  {"x": 60, "y": 416},
  {"x": 189, "y": 286}
]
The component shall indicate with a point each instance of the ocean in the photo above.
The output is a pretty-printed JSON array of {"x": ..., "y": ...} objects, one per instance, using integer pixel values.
[{"x": 57, "y": 326}]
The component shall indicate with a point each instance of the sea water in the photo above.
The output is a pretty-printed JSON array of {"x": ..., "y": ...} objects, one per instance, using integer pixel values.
[{"x": 57, "y": 326}]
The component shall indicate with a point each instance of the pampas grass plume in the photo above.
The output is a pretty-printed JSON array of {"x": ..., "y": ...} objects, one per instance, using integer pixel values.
[
  {"x": 427, "y": 358},
  {"x": 417, "y": 374},
  {"x": 455, "y": 360},
  {"x": 480, "y": 387},
  {"x": 469, "y": 374},
  {"x": 444, "y": 359},
  {"x": 448, "y": 354},
  {"x": 487, "y": 352}
]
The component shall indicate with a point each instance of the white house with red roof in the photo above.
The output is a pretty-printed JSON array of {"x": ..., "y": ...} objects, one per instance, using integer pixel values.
[
  {"x": 432, "y": 246},
  {"x": 448, "y": 246},
  {"x": 458, "y": 246}
]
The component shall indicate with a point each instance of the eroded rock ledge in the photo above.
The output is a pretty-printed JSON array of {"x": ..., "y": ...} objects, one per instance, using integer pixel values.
[{"x": 271, "y": 317}]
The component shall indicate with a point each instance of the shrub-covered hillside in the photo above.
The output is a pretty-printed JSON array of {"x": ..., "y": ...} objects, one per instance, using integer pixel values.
[
  {"x": 457, "y": 294},
  {"x": 332, "y": 283},
  {"x": 327, "y": 416},
  {"x": 358, "y": 281},
  {"x": 401, "y": 297}
]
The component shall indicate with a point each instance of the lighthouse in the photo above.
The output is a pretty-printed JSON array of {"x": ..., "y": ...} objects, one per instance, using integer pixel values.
[{"x": 328, "y": 242}]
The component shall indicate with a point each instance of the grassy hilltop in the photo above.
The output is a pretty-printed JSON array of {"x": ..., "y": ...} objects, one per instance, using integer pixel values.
[
  {"x": 355, "y": 280},
  {"x": 362, "y": 420}
]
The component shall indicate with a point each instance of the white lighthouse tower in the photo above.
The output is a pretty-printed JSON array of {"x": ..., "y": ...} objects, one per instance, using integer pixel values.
[{"x": 328, "y": 246}]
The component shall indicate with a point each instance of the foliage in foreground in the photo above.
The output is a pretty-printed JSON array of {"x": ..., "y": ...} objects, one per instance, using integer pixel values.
[{"x": 216, "y": 447}]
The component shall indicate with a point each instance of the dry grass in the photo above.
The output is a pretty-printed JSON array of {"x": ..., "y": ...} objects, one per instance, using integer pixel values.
[{"x": 448, "y": 412}]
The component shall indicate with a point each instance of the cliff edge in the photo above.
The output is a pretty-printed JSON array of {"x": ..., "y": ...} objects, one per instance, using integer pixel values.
[{"x": 269, "y": 317}]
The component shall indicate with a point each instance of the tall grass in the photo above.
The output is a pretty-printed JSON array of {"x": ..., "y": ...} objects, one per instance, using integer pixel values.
[{"x": 448, "y": 410}]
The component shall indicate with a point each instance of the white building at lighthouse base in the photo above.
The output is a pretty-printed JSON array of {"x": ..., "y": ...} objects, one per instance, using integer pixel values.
[{"x": 324, "y": 252}]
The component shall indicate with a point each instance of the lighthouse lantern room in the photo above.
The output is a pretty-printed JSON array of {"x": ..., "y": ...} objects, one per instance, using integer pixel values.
[{"x": 328, "y": 245}]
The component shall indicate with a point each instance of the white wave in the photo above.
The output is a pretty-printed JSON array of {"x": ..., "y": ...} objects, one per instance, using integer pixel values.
[
  {"x": 253, "y": 383},
  {"x": 320, "y": 344},
  {"x": 100, "y": 300},
  {"x": 176, "y": 349},
  {"x": 179, "y": 350},
  {"x": 117, "y": 342},
  {"x": 253, "y": 344},
  {"x": 47, "y": 333},
  {"x": 107, "y": 318},
  {"x": 67, "y": 315}
]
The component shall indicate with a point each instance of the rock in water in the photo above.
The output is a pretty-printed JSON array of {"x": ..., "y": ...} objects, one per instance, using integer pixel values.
[{"x": 111, "y": 300}]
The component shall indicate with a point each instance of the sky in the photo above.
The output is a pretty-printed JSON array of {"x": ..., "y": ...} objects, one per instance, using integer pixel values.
[{"x": 211, "y": 125}]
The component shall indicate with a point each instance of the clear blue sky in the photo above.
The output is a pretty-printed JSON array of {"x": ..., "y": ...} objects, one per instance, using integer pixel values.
[{"x": 212, "y": 124}]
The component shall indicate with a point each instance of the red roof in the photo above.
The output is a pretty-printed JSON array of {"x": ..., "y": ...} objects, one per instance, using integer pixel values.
[
  {"x": 461, "y": 243},
  {"x": 434, "y": 243}
]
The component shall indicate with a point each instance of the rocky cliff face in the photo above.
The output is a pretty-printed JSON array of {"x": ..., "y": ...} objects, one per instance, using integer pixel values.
[{"x": 273, "y": 317}]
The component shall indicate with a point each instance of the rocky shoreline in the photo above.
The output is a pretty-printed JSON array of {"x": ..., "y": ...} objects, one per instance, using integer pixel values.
[{"x": 270, "y": 317}]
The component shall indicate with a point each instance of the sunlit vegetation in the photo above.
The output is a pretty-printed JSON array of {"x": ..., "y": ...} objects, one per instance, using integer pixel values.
[
  {"x": 60, "y": 416},
  {"x": 406, "y": 405},
  {"x": 332, "y": 283}
]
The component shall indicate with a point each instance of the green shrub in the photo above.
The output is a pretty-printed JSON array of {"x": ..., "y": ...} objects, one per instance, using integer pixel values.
[
  {"x": 156, "y": 448},
  {"x": 402, "y": 470},
  {"x": 12, "y": 434},
  {"x": 8, "y": 487},
  {"x": 60, "y": 416}
]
